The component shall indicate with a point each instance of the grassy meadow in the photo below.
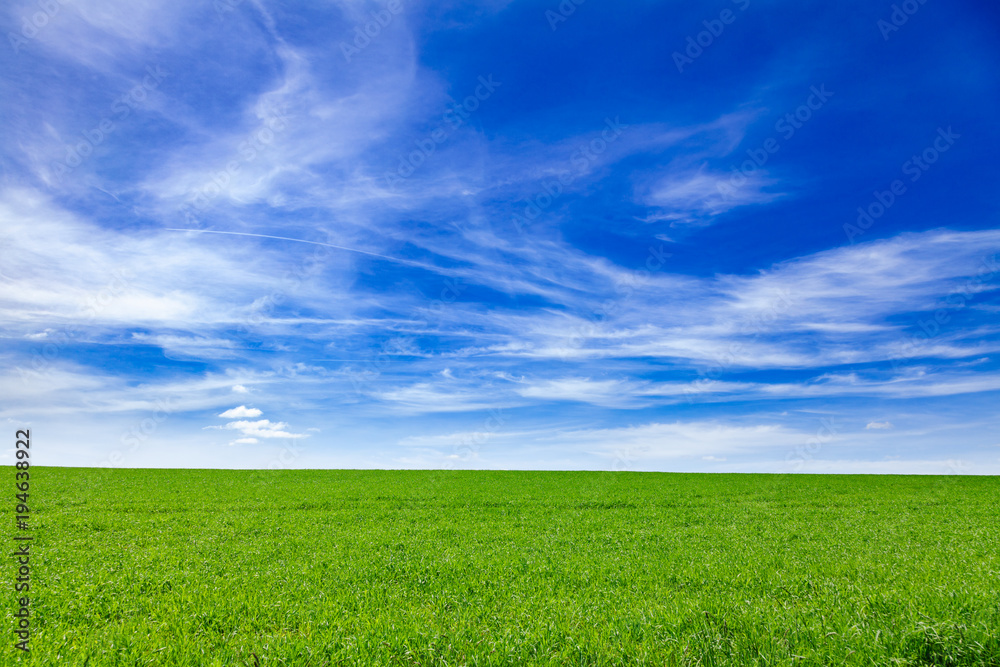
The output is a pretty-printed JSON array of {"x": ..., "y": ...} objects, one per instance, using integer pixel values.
[{"x": 203, "y": 567}]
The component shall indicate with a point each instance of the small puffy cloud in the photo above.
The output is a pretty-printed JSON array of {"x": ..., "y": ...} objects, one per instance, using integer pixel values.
[
  {"x": 242, "y": 411},
  {"x": 262, "y": 428},
  {"x": 240, "y": 389},
  {"x": 878, "y": 425},
  {"x": 252, "y": 431},
  {"x": 713, "y": 458}
]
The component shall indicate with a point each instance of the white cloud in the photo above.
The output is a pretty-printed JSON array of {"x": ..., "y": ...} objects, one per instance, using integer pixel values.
[
  {"x": 914, "y": 385},
  {"x": 240, "y": 389},
  {"x": 830, "y": 308},
  {"x": 190, "y": 347},
  {"x": 262, "y": 428},
  {"x": 70, "y": 273},
  {"x": 244, "y": 441},
  {"x": 698, "y": 195},
  {"x": 609, "y": 393},
  {"x": 424, "y": 398},
  {"x": 878, "y": 425},
  {"x": 241, "y": 411},
  {"x": 61, "y": 387}
]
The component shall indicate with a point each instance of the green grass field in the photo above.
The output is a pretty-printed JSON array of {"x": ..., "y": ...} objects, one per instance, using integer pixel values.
[{"x": 160, "y": 567}]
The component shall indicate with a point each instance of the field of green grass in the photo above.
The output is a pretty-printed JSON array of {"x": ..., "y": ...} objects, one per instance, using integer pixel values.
[{"x": 171, "y": 567}]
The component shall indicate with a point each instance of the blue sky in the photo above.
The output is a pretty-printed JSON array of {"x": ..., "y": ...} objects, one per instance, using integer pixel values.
[{"x": 721, "y": 236}]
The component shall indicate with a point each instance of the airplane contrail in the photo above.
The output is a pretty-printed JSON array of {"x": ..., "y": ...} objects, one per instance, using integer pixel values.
[{"x": 328, "y": 245}]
